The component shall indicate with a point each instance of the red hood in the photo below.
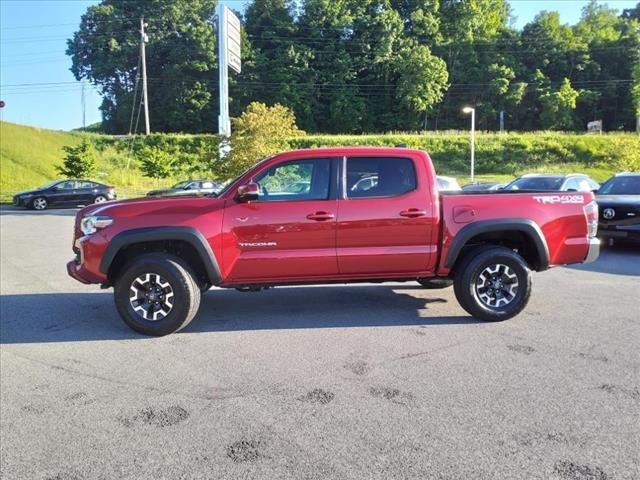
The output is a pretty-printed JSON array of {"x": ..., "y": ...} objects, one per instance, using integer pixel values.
[{"x": 154, "y": 206}]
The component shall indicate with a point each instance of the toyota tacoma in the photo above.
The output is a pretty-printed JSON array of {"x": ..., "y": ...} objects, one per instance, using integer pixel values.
[{"x": 368, "y": 215}]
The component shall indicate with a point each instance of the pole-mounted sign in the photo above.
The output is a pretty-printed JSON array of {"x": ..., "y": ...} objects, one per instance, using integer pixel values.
[{"x": 228, "y": 57}]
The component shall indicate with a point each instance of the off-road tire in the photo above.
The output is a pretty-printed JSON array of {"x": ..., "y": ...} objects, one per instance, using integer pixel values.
[
  {"x": 467, "y": 275},
  {"x": 185, "y": 289}
]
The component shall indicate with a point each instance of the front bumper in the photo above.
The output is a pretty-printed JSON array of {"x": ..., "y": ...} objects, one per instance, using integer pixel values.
[
  {"x": 85, "y": 268},
  {"x": 21, "y": 201},
  {"x": 623, "y": 232},
  {"x": 594, "y": 250}
]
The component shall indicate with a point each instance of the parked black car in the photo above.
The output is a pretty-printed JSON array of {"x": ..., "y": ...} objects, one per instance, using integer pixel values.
[
  {"x": 619, "y": 204},
  {"x": 64, "y": 193},
  {"x": 572, "y": 182},
  {"x": 188, "y": 187}
]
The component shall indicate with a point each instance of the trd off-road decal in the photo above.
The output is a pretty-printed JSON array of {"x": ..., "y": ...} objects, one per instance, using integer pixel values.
[{"x": 552, "y": 199}]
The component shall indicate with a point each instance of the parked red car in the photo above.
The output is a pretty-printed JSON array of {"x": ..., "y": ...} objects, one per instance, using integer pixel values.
[{"x": 160, "y": 254}]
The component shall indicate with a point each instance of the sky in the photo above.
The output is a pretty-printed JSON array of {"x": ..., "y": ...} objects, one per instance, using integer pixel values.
[{"x": 33, "y": 37}]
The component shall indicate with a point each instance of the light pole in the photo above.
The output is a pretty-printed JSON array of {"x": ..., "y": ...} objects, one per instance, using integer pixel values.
[{"x": 472, "y": 111}]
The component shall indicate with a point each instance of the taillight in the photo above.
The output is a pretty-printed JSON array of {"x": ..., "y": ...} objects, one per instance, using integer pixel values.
[{"x": 591, "y": 212}]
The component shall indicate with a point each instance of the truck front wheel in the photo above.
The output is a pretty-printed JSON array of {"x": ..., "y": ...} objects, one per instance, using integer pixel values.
[
  {"x": 493, "y": 284},
  {"x": 157, "y": 294}
]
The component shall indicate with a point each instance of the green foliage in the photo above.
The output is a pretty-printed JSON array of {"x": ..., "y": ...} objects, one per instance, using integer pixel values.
[
  {"x": 509, "y": 154},
  {"x": 157, "y": 163},
  {"x": 28, "y": 155},
  {"x": 423, "y": 78},
  {"x": 181, "y": 61},
  {"x": 558, "y": 107},
  {"x": 367, "y": 65},
  {"x": 259, "y": 132},
  {"x": 79, "y": 161}
]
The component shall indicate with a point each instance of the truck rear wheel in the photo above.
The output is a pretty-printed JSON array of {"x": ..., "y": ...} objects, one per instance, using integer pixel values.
[
  {"x": 157, "y": 294},
  {"x": 493, "y": 284}
]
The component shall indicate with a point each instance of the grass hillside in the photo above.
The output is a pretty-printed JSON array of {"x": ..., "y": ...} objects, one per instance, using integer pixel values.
[{"x": 28, "y": 156}]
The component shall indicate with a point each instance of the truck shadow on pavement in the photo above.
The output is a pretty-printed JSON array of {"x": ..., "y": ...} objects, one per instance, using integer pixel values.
[{"x": 76, "y": 317}]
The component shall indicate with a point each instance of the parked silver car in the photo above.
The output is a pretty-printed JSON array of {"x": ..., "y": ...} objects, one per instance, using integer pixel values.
[
  {"x": 188, "y": 187},
  {"x": 572, "y": 182}
]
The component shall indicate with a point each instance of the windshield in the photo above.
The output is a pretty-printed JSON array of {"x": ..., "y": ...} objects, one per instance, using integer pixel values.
[
  {"x": 182, "y": 184},
  {"x": 50, "y": 184},
  {"x": 536, "y": 183},
  {"x": 621, "y": 186}
]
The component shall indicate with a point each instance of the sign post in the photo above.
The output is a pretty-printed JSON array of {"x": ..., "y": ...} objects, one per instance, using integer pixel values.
[
  {"x": 228, "y": 57},
  {"x": 595, "y": 126}
]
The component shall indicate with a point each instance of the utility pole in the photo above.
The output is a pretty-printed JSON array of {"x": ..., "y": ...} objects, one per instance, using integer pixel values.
[
  {"x": 501, "y": 121},
  {"x": 145, "y": 98}
]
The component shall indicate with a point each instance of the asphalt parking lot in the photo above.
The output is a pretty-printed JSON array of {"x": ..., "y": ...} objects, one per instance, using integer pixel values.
[{"x": 351, "y": 382}]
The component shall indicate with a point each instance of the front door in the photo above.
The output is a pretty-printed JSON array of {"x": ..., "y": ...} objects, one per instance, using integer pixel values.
[
  {"x": 63, "y": 193},
  {"x": 387, "y": 224},
  {"x": 289, "y": 233}
]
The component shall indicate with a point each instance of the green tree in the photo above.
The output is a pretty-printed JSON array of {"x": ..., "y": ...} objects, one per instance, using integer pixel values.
[
  {"x": 79, "y": 161},
  {"x": 259, "y": 132},
  {"x": 181, "y": 61},
  {"x": 422, "y": 78},
  {"x": 558, "y": 107},
  {"x": 157, "y": 163}
]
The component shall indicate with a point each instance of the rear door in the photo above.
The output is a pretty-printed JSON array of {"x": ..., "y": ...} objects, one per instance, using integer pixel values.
[
  {"x": 287, "y": 233},
  {"x": 86, "y": 192},
  {"x": 387, "y": 223}
]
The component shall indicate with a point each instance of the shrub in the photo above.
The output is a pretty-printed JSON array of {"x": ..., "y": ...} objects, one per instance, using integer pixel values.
[
  {"x": 259, "y": 132},
  {"x": 79, "y": 161}
]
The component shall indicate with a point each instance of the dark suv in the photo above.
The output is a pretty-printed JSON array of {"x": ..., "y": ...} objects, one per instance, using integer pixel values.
[{"x": 64, "y": 193}]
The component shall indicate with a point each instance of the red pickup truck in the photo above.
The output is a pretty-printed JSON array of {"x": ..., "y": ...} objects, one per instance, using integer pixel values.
[{"x": 329, "y": 215}]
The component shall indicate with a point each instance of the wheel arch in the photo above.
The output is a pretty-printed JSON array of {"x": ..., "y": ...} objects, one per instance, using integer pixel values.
[
  {"x": 523, "y": 234},
  {"x": 186, "y": 242}
]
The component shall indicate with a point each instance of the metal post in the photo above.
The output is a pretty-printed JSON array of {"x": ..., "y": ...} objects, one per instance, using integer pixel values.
[
  {"x": 84, "y": 108},
  {"x": 501, "y": 121},
  {"x": 224, "y": 123},
  {"x": 145, "y": 98},
  {"x": 473, "y": 143}
]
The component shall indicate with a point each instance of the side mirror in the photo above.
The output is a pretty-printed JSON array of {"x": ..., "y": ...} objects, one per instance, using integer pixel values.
[{"x": 248, "y": 192}]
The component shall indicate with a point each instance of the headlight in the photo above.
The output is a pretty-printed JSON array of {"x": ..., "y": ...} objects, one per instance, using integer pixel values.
[
  {"x": 26, "y": 195},
  {"x": 93, "y": 223}
]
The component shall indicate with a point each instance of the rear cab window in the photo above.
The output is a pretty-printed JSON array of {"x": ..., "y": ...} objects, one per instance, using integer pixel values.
[{"x": 368, "y": 177}]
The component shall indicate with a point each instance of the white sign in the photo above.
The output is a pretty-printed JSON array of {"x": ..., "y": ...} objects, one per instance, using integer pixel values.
[
  {"x": 595, "y": 126},
  {"x": 233, "y": 41}
]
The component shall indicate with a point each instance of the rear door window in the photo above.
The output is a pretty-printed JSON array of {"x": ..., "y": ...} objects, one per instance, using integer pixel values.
[{"x": 368, "y": 177}]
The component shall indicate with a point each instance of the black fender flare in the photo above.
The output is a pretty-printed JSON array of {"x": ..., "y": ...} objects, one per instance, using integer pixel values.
[
  {"x": 150, "y": 234},
  {"x": 526, "y": 226}
]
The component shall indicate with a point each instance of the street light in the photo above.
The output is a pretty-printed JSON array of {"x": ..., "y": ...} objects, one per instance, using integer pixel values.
[{"x": 472, "y": 111}]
